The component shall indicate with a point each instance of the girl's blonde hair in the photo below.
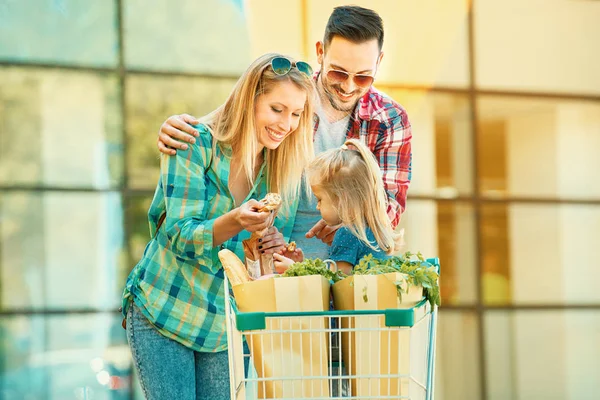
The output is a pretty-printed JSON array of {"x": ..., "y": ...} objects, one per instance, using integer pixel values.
[
  {"x": 351, "y": 177},
  {"x": 234, "y": 123}
]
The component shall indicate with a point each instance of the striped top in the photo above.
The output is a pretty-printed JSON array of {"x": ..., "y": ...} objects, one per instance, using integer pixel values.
[{"x": 178, "y": 284}]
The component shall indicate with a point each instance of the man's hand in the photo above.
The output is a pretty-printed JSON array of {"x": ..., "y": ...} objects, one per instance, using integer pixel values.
[
  {"x": 271, "y": 242},
  {"x": 323, "y": 232},
  {"x": 175, "y": 131}
]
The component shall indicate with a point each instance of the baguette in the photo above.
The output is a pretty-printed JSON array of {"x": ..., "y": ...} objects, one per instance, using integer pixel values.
[{"x": 234, "y": 267}]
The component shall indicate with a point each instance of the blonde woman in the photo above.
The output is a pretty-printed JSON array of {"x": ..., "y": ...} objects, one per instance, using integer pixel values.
[
  {"x": 258, "y": 141},
  {"x": 348, "y": 185}
]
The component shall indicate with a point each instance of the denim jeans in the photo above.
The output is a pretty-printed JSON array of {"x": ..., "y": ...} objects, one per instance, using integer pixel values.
[{"x": 169, "y": 370}]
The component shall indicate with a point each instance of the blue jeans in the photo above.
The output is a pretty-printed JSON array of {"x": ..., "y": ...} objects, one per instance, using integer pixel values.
[{"x": 169, "y": 370}]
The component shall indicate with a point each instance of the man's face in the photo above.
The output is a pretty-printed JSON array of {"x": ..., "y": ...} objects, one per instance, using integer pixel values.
[{"x": 352, "y": 58}]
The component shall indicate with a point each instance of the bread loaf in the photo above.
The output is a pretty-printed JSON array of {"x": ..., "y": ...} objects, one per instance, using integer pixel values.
[{"x": 234, "y": 267}]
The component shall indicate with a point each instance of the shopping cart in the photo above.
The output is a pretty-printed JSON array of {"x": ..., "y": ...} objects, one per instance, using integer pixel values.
[{"x": 378, "y": 354}]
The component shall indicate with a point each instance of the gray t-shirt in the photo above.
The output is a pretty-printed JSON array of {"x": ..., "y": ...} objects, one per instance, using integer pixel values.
[{"x": 328, "y": 136}]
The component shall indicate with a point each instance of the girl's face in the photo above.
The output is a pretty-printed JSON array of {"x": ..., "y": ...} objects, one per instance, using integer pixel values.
[
  {"x": 326, "y": 206},
  {"x": 278, "y": 112}
]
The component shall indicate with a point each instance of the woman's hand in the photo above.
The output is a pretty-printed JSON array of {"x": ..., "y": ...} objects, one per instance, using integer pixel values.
[
  {"x": 175, "y": 131},
  {"x": 250, "y": 219},
  {"x": 271, "y": 242}
]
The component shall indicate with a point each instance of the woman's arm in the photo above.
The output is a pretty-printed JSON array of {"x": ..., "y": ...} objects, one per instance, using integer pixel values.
[{"x": 187, "y": 201}]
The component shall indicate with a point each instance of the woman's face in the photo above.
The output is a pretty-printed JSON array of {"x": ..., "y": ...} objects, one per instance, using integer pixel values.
[{"x": 278, "y": 113}]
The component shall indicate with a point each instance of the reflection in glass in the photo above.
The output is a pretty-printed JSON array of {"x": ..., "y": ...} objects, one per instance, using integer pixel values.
[
  {"x": 444, "y": 230},
  {"x": 552, "y": 354},
  {"x": 139, "y": 229},
  {"x": 60, "y": 250},
  {"x": 150, "y": 101},
  {"x": 540, "y": 254},
  {"x": 60, "y": 128},
  {"x": 63, "y": 357},
  {"x": 210, "y": 36},
  {"x": 441, "y": 142},
  {"x": 457, "y": 356},
  {"x": 524, "y": 57},
  {"x": 537, "y": 147},
  {"x": 63, "y": 32},
  {"x": 435, "y": 55}
]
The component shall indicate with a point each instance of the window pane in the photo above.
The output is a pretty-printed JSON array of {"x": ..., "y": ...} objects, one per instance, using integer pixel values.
[
  {"x": 542, "y": 354},
  {"x": 63, "y": 32},
  {"x": 150, "y": 101},
  {"x": 431, "y": 53},
  {"x": 60, "y": 128},
  {"x": 277, "y": 26},
  {"x": 65, "y": 357},
  {"x": 139, "y": 230},
  {"x": 61, "y": 250},
  {"x": 457, "y": 356},
  {"x": 441, "y": 143},
  {"x": 549, "y": 46},
  {"x": 540, "y": 254},
  {"x": 535, "y": 147},
  {"x": 209, "y": 36},
  {"x": 447, "y": 231}
]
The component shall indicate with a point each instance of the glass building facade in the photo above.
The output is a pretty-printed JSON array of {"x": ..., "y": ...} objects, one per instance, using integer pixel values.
[{"x": 504, "y": 101}]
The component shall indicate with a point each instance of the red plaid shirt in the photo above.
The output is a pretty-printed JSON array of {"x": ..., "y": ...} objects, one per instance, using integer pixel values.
[{"x": 383, "y": 125}]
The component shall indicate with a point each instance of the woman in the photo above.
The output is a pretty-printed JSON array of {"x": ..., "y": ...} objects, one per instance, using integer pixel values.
[{"x": 259, "y": 141}]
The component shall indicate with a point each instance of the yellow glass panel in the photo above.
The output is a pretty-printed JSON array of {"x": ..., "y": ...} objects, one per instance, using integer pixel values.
[
  {"x": 535, "y": 147},
  {"x": 538, "y": 45},
  {"x": 434, "y": 52},
  {"x": 540, "y": 254},
  {"x": 550, "y": 354}
]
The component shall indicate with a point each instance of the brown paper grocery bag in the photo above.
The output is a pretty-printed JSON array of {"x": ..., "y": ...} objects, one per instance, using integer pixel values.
[
  {"x": 281, "y": 353},
  {"x": 371, "y": 348}
]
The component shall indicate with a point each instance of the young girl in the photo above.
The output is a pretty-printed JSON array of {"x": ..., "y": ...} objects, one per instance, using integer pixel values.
[
  {"x": 349, "y": 189},
  {"x": 258, "y": 141}
]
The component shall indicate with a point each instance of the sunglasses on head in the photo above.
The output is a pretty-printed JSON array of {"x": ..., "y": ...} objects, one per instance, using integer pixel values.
[
  {"x": 282, "y": 66},
  {"x": 359, "y": 80}
]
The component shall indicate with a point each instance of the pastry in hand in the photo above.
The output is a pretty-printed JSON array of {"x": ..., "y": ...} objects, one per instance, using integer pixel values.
[{"x": 272, "y": 201}]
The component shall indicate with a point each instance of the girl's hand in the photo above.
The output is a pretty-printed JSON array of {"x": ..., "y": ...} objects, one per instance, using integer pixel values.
[
  {"x": 250, "y": 219},
  {"x": 281, "y": 263},
  {"x": 271, "y": 242},
  {"x": 296, "y": 255}
]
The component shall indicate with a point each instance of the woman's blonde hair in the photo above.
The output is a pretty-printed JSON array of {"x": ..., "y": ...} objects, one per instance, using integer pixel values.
[
  {"x": 234, "y": 123},
  {"x": 352, "y": 179}
]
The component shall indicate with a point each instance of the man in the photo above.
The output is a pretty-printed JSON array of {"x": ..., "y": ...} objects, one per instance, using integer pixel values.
[{"x": 349, "y": 56}]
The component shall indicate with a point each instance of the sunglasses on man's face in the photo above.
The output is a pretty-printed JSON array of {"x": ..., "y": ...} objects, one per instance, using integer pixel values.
[
  {"x": 282, "y": 66},
  {"x": 360, "y": 80}
]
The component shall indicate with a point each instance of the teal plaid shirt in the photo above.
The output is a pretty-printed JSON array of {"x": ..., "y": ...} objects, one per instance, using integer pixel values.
[{"x": 178, "y": 283}]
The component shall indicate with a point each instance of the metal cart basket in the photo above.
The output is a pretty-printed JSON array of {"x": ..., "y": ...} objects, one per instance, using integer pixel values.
[{"x": 378, "y": 354}]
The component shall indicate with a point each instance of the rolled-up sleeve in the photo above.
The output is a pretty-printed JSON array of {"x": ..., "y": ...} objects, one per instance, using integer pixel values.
[
  {"x": 394, "y": 155},
  {"x": 187, "y": 201}
]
